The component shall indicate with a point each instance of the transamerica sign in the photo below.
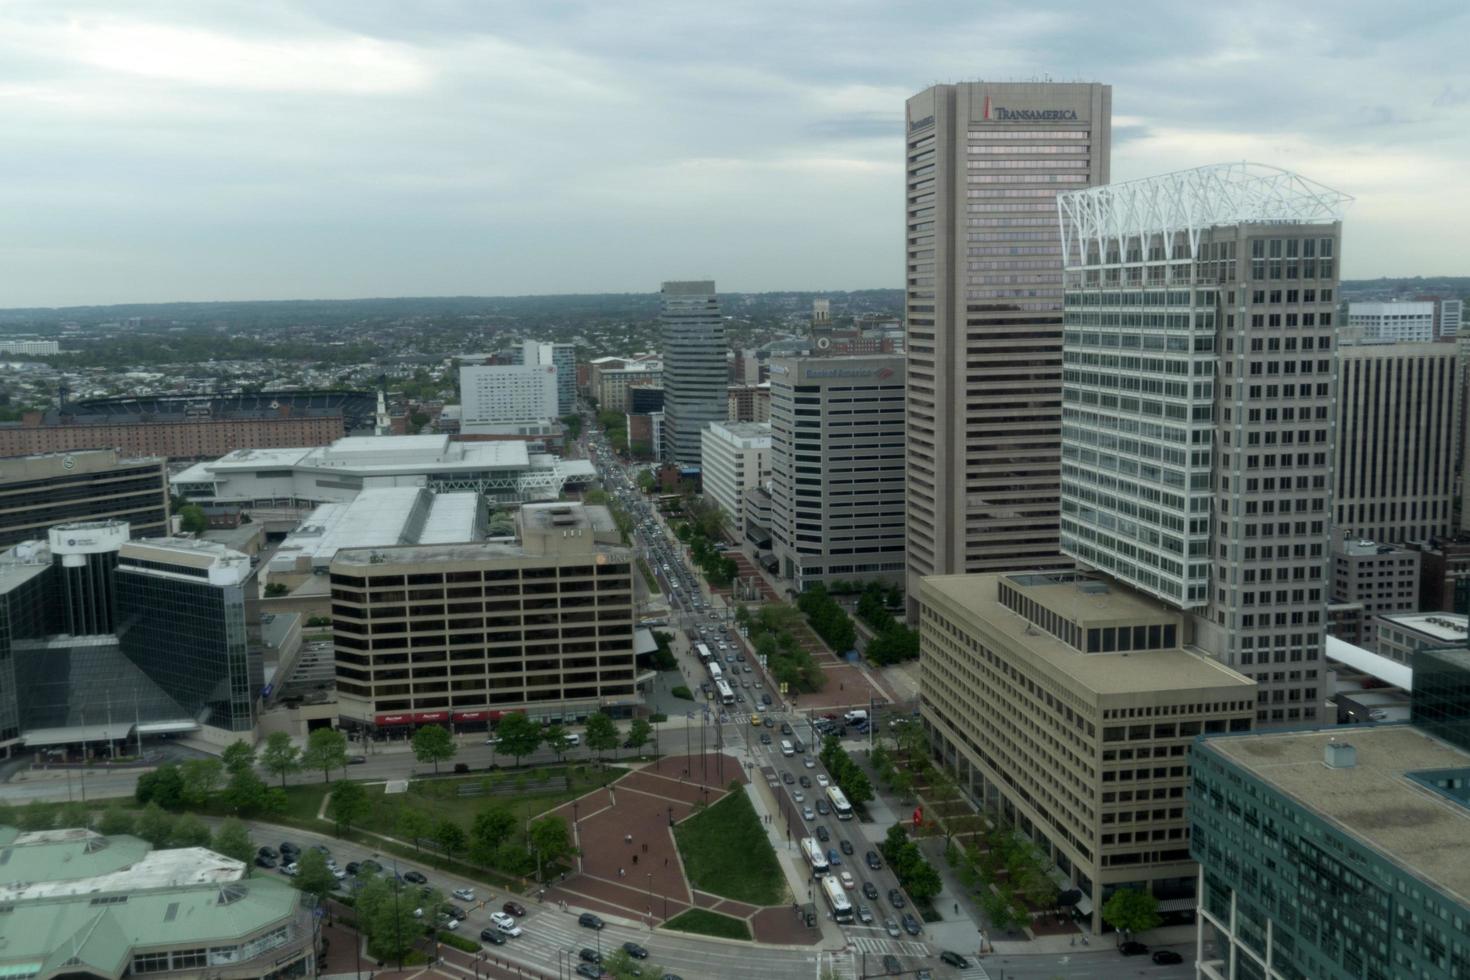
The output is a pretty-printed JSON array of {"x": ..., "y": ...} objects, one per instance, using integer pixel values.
[{"x": 1000, "y": 114}]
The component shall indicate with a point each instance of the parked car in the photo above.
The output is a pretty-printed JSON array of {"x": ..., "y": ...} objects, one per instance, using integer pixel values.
[
  {"x": 262, "y": 861},
  {"x": 461, "y": 767},
  {"x": 464, "y": 895},
  {"x": 589, "y": 921},
  {"x": 1133, "y": 948},
  {"x": 492, "y": 936},
  {"x": 1167, "y": 957},
  {"x": 416, "y": 877},
  {"x": 635, "y": 951},
  {"x": 589, "y": 971},
  {"x": 268, "y": 851},
  {"x": 590, "y": 955},
  {"x": 911, "y": 924}
]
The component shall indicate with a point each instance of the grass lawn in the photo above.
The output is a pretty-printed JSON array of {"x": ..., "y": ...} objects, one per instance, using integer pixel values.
[
  {"x": 439, "y": 799},
  {"x": 707, "y": 923},
  {"x": 726, "y": 853}
]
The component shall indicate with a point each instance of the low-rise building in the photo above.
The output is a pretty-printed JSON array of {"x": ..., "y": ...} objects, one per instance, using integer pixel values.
[
  {"x": 1410, "y": 321},
  {"x": 735, "y": 456},
  {"x": 305, "y": 477},
  {"x": 1400, "y": 636},
  {"x": 462, "y": 633},
  {"x": 1382, "y": 578},
  {"x": 1333, "y": 854},
  {"x": 1067, "y": 704},
  {"x": 39, "y": 492},
  {"x": 78, "y": 904}
]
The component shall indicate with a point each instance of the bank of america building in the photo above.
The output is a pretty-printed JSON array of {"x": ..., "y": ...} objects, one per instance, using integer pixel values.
[{"x": 1197, "y": 409}]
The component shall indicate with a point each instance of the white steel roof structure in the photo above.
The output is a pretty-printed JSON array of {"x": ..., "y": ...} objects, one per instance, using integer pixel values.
[{"x": 1191, "y": 201}]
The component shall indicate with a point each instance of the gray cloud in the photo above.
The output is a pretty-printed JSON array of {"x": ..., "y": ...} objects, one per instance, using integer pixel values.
[{"x": 168, "y": 150}]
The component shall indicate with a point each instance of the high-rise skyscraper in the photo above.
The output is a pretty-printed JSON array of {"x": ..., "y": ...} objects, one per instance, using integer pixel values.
[
  {"x": 1397, "y": 412},
  {"x": 1197, "y": 418},
  {"x": 695, "y": 376},
  {"x": 984, "y": 311}
]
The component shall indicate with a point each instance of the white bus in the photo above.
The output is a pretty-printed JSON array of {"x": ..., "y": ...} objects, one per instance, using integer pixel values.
[
  {"x": 715, "y": 672},
  {"x": 837, "y": 899},
  {"x": 724, "y": 692},
  {"x": 840, "y": 806},
  {"x": 811, "y": 849},
  {"x": 704, "y": 655}
]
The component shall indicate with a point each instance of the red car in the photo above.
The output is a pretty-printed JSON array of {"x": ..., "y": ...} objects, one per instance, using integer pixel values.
[{"x": 514, "y": 908}]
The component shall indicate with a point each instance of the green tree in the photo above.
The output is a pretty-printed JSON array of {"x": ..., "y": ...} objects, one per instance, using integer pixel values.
[
  {"x": 387, "y": 919},
  {"x": 201, "y": 778},
  {"x": 640, "y": 733},
  {"x": 274, "y": 590},
  {"x": 155, "y": 825},
  {"x": 73, "y": 815},
  {"x": 549, "y": 838},
  {"x": 164, "y": 786},
  {"x": 189, "y": 831},
  {"x": 492, "y": 827},
  {"x": 1131, "y": 911},
  {"x": 313, "y": 876},
  {"x": 326, "y": 749},
  {"x": 433, "y": 743},
  {"x": 602, "y": 734},
  {"x": 1002, "y": 911},
  {"x": 894, "y": 843},
  {"x": 238, "y": 756},
  {"x": 557, "y": 739},
  {"x": 856, "y": 786},
  {"x": 349, "y": 805},
  {"x": 281, "y": 757},
  {"x": 115, "y": 820},
  {"x": 923, "y": 882},
  {"x": 450, "y": 837},
  {"x": 414, "y": 825},
  {"x": 232, "y": 840},
  {"x": 192, "y": 519},
  {"x": 246, "y": 793},
  {"x": 518, "y": 735}
]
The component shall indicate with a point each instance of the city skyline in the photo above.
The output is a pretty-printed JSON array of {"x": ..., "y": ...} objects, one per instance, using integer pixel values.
[{"x": 174, "y": 153}]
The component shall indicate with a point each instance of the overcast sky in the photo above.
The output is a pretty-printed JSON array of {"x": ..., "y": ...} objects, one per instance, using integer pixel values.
[{"x": 258, "y": 149}]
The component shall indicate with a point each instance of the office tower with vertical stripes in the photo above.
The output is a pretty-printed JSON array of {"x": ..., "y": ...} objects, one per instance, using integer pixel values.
[
  {"x": 696, "y": 378},
  {"x": 983, "y": 277}
]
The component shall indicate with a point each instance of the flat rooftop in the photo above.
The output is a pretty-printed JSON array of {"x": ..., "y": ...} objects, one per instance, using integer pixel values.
[
  {"x": 1444, "y": 626},
  {"x": 1374, "y": 802},
  {"x": 1158, "y": 671},
  {"x": 1087, "y": 600},
  {"x": 57, "y": 864},
  {"x": 481, "y": 551}
]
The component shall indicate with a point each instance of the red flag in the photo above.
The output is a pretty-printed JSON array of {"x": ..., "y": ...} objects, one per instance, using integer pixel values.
[{"x": 918, "y": 816}]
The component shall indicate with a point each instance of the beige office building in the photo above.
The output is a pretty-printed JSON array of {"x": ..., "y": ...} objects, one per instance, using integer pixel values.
[
  {"x": 985, "y": 162},
  {"x": 461, "y": 633},
  {"x": 38, "y": 492},
  {"x": 1068, "y": 704}
]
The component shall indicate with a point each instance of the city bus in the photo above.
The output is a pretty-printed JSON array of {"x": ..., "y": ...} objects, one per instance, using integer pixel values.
[
  {"x": 716, "y": 672},
  {"x": 705, "y": 657},
  {"x": 816, "y": 858},
  {"x": 840, "y": 806},
  {"x": 836, "y": 897},
  {"x": 726, "y": 694}
]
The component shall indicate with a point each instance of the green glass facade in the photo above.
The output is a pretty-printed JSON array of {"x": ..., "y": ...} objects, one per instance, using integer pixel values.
[
  {"x": 1441, "y": 698},
  {"x": 1326, "y": 903}
]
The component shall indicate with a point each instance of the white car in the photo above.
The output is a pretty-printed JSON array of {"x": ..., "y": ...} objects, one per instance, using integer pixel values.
[
  {"x": 847, "y": 881},
  {"x": 338, "y": 873},
  {"x": 808, "y": 813},
  {"x": 799, "y": 796},
  {"x": 822, "y": 780},
  {"x": 464, "y": 894},
  {"x": 505, "y": 923},
  {"x": 809, "y": 762}
]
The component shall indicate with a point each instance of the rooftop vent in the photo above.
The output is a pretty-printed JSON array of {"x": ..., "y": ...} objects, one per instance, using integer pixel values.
[{"x": 1339, "y": 755}]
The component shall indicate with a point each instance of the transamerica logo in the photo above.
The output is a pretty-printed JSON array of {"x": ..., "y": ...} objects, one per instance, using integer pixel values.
[{"x": 999, "y": 114}]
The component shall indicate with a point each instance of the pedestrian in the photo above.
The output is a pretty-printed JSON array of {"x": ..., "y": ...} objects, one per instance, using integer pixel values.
[
  {"x": 635, "y": 859},
  {"x": 628, "y": 838},
  {"x": 666, "y": 862},
  {"x": 645, "y": 848},
  {"x": 621, "y": 872}
]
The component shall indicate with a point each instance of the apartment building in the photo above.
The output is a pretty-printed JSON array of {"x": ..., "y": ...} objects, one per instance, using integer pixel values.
[
  {"x": 1380, "y": 578},
  {"x": 1068, "y": 705},
  {"x": 461, "y": 633}
]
